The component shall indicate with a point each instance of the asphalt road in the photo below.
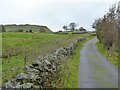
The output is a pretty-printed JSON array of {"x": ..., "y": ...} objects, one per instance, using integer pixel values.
[{"x": 94, "y": 70}]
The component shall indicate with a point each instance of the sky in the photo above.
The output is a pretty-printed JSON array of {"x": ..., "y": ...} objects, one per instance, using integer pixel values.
[{"x": 53, "y": 13}]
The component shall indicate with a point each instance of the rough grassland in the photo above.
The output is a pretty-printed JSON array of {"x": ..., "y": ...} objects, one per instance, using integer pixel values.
[
  {"x": 18, "y": 47},
  {"x": 34, "y": 28},
  {"x": 110, "y": 55}
]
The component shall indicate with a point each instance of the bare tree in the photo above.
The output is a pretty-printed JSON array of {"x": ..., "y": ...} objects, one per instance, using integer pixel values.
[
  {"x": 65, "y": 27},
  {"x": 72, "y": 26},
  {"x": 118, "y": 14},
  {"x": 106, "y": 28}
]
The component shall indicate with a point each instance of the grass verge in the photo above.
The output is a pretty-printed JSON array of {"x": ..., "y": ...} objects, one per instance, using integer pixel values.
[
  {"x": 0, "y": 59},
  {"x": 68, "y": 77},
  {"x": 110, "y": 55}
]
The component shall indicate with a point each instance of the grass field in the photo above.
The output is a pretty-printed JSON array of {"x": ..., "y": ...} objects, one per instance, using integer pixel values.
[
  {"x": 18, "y": 46},
  {"x": 112, "y": 56}
]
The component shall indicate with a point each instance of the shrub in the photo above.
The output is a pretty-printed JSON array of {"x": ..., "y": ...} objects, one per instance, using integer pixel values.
[{"x": 30, "y": 30}]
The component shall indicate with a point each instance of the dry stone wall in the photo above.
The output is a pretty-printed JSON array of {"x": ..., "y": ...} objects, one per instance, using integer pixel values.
[{"x": 41, "y": 73}]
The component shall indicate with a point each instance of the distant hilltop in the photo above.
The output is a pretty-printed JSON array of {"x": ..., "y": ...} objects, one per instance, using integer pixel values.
[{"x": 25, "y": 28}]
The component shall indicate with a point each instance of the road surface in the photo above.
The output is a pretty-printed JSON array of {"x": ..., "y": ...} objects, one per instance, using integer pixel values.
[{"x": 94, "y": 70}]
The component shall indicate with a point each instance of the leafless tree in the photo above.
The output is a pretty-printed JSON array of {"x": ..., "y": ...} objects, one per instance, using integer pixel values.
[
  {"x": 65, "y": 27},
  {"x": 72, "y": 26}
]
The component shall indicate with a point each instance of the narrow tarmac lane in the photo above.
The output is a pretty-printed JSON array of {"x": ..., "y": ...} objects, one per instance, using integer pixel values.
[{"x": 94, "y": 70}]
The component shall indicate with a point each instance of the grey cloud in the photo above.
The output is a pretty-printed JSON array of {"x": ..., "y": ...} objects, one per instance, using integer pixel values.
[{"x": 54, "y": 15}]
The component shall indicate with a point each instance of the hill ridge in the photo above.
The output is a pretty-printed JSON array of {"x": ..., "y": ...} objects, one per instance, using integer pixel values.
[{"x": 26, "y": 28}]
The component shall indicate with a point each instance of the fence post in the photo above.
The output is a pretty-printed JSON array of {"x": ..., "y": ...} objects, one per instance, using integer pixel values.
[{"x": 25, "y": 58}]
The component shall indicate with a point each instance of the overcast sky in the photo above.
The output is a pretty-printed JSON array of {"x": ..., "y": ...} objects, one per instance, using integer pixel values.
[{"x": 53, "y": 13}]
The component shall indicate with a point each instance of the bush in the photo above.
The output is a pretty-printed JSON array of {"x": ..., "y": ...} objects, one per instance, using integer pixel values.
[
  {"x": 20, "y": 30},
  {"x": 30, "y": 30}
]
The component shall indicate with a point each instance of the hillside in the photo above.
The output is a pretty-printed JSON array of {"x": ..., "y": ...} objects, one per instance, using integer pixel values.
[{"x": 26, "y": 28}]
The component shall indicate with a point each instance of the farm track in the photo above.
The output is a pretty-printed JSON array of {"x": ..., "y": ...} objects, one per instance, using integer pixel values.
[{"x": 94, "y": 70}]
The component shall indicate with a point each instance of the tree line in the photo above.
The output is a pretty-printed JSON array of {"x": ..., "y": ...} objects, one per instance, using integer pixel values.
[
  {"x": 72, "y": 27},
  {"x": 107, "y": 28}
]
